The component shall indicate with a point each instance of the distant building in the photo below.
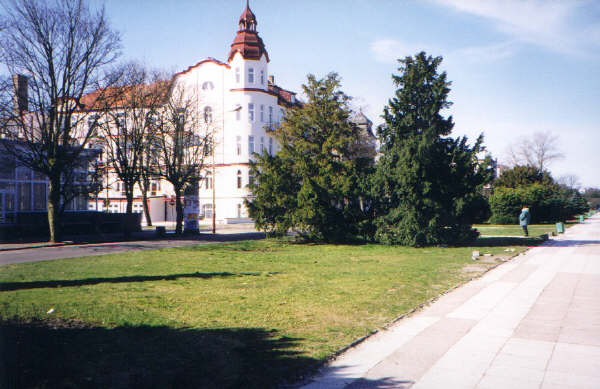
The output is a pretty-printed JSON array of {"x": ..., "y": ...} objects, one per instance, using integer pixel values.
[
  {"x": 242, "y": 103},
  {"x": 23, "y": 190}
]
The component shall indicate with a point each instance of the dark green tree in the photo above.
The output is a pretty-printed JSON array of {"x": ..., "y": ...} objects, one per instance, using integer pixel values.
[
  {"x": 313, "y": 184},
  {"x": 427, "y": 187},
  {"x": 523, "y": 176}
]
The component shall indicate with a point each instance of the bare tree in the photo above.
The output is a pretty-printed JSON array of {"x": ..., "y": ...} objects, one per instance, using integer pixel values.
[
  {"x": 124, "y": 124},
  {"x": 570, "y": 181},
  {"x": 62, "y": 48},
  {"x": 182, "y": 140},
  {"x": 147, "y": 175},
  {"x": 540, "y": 150}
]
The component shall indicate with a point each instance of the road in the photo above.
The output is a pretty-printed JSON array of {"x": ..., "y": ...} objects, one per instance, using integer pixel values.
[{"x": 84, "y": 250}]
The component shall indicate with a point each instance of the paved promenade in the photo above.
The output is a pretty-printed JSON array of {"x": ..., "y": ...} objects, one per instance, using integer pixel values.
[{"x": 533, "y": 322}]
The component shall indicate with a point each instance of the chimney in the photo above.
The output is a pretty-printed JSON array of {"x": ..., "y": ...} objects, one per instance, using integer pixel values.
[
  {"x": 271, "y": 80},
  {"x": 21, "y": 97}
]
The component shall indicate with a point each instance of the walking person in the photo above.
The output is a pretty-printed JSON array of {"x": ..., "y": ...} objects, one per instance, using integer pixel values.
[{"x": 524, "y": 219}]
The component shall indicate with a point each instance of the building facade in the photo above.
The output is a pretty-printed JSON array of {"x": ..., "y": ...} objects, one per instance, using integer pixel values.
[{"x": 239, "y": 102}]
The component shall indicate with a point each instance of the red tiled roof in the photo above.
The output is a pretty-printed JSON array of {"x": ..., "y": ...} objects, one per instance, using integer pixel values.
[
  {"x": 284, "y": 97},
  {"x": 116, "y": 97}
]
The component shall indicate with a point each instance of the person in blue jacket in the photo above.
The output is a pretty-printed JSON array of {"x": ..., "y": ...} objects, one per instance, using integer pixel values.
[{"x": 524, "y": 219}]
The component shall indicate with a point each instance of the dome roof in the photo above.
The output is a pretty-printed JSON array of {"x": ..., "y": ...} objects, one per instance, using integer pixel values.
[{"x": 246, "y": 41}]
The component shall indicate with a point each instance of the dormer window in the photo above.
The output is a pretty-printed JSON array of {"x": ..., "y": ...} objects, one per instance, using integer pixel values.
[
  {"x": 262, "y": 77},
  {"x": 237, "y": 75},
  {"x": 208, "y": 85},
  {"x": 251, "y": 75}
]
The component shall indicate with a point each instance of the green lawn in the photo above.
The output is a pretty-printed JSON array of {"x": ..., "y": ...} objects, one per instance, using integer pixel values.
[
  {"x": 514, "y": 229},
  {"x": 247, "y": 314}
]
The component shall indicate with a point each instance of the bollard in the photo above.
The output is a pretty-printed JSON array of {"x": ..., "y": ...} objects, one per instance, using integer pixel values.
[{"x": 560, "y": 227}]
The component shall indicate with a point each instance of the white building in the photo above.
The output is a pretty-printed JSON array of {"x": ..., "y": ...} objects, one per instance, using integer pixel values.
[{"x": 240, "y": 101}]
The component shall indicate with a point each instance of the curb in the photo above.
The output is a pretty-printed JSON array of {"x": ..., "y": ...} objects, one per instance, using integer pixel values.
[{"x": 38, "y": 246}]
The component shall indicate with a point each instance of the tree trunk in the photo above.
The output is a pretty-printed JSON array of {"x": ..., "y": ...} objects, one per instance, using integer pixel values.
[
  {"x": 179, "y": 211},
  {"x": 129, "y": 198},
  {"x": 128, "y": 210},
  {"x": 54, "y": 188},
  {"x": 144, "y": 189}
]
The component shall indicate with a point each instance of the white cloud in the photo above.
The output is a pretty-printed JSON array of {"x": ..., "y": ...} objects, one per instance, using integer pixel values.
[
  {"x": 555, "y": 25},
  {"x": 484, "y": 54},
  {"x": 389, "y": 50}
]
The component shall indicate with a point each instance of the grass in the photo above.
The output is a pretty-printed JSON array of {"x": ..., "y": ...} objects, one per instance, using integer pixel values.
[
  {"x": 513, "y": 230},
  {"x": 246, "y": 314}
]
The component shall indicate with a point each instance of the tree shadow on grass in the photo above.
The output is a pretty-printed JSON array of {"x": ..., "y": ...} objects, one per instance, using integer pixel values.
[
  {"x": 58, "y": 354},
  {"x": 501, "y": 241},
  {"x": 7, "y": 286}
]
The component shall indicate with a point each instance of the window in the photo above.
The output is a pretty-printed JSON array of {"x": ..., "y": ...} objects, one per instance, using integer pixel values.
[
  {"x": 39, "y": 197},
  {"x": 208, "y": 117},
  {"x": 24, "y": 196},
  {"x": 152, "y": 119},
  {"x": 154, "y": 187},
  {"x": 237, "y": 75},
  {"x": 262, "y": 144},
  {"x": 208, "y": 181},
  {"x": 250, "y": 179},
  {"x": 239, "y": 179},
  {"x": 251, "y": 75},
  {"x": 239, "y": 210},
  {"x": 181, "y": 115},
  {"x": 262, "y": 113},
  {"x": 250, "y": 144},
  {"x": 238, "y": 114},
  {"x": 81, "y": 203},
  {"x": 238, "y": 146},
  {"x": 251, "y": 112},
  {"x": 207, "y": 211},
  {"x": 270, "y": 116},
  {"x": 270, "y": 146},
  {"x": 7, "y": 168},
  {"x": 92, "y": 124},
  {"x": 121, "y": 121},
  {"x": 281, "y": 116},
  {"x": 23, "y": 173},
  {"x": 262, "y": 77},
  {"x": 207, "y": 85}
]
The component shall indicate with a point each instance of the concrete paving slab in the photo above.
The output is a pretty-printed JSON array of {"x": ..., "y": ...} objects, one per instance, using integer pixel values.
[
  {"x": 554, "y": 379},
  {"x": 519, "y": 274},
  {"x": 526, "y": 379},
  {"x": 480, "y": 305},
  {"x": 575, "y": 359}
]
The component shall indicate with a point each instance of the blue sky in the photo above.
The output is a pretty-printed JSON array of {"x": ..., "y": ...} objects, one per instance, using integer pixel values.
[{"x": 517, "y": 67}]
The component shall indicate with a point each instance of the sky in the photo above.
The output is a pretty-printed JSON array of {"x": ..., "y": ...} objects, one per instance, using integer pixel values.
[{"x": 517, "y": 67}]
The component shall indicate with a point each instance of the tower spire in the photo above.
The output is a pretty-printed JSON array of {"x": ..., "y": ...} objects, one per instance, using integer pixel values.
[{"x": 246, "y": 41}]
